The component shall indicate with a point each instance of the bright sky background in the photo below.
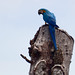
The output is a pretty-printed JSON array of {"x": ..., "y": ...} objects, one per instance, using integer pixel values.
[{"x": 19, "y": 22}]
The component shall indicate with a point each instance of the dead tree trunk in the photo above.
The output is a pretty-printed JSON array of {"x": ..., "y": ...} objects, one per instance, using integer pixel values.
[{"x": 44, "y": 59}]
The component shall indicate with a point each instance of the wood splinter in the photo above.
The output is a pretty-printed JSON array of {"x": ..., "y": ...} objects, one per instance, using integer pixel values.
[{"x": 29, "y": 61}]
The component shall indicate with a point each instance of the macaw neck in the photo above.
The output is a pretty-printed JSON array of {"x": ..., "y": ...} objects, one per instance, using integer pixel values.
[
  {"x": 45, "y": 17},
  {"x": 44, "y": 14}
]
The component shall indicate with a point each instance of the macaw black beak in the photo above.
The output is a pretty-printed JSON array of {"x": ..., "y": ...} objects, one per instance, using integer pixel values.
[{"x": 40, "y": 12}]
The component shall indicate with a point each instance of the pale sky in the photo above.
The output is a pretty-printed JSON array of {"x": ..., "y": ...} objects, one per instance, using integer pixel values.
[{"x": 19, "y": 21}]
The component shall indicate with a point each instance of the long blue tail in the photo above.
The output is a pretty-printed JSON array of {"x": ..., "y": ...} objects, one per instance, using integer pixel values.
[{"x": 52, "y": 33}]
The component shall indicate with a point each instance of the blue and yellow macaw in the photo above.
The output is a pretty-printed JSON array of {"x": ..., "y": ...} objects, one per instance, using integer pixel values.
[{"x": 49, "y": 18}]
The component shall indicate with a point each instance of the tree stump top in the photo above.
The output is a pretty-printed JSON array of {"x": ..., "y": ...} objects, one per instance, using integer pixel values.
[{"x": 44, "y": 59}]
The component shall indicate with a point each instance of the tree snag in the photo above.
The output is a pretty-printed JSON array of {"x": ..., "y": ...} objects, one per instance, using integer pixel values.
[{"x": 44, "y": 59}]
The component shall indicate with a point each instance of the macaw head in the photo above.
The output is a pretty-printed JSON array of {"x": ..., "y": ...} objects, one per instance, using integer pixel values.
[{"x": 42, "y": 11}]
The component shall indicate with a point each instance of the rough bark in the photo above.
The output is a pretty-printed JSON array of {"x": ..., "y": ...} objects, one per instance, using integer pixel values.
[{"x": 44, "y": 59}]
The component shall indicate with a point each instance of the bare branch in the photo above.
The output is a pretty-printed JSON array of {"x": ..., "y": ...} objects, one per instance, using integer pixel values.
[{"x": 29, "y": 61}]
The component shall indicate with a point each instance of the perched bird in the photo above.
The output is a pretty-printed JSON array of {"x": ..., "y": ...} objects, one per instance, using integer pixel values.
[{"x": 49, "y": 18}]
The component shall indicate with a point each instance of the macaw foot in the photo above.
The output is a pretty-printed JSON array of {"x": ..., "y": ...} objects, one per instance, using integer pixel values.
[{"x": 45, "y": 23}]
